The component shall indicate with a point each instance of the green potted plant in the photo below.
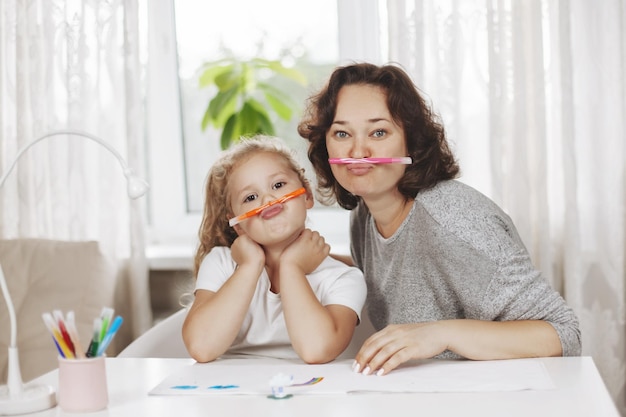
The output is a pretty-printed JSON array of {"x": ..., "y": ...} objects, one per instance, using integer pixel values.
[{"x": 247, "y": 100}]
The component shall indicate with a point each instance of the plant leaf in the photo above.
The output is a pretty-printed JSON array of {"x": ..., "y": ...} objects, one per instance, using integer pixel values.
[
  {"x": 222, "y": 106},
  {"x": 265, "y": 125},
  {"x": 206, "y": 119},
  {"x": 282, "y": 109},
  {"x": 291, "y": 73},
  {"x": 257, "y": 105},
  {"x": 207, "y": 77},
  {"x": 227, "y": 80},
  {"x": 228, "y": 133},
  {"x": 249, "y": 120},
  {"x": 263, "y": 122}
]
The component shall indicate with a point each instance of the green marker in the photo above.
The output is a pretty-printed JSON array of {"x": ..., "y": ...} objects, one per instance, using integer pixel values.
[
  {"x": 92, "y": 350},
  {"x": 106, "y": 315}
]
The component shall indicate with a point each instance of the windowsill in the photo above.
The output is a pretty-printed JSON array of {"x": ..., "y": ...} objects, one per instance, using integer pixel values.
[{"x": 170, "y": 257}]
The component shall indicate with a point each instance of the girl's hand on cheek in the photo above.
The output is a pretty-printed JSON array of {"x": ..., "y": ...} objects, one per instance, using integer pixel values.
[
  {"x": 306, "y": 252},
  {"x": 246, "y": 251}
]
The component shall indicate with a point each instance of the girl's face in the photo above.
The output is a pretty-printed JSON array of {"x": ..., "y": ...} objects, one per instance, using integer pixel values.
[
  {"x": 262, "y": 178},
  {"x": 364, "y": 128}
]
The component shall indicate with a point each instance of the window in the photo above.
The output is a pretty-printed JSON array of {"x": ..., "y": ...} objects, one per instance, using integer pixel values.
[
  {"x": 307, "y": 42},
  {"x": 182, "y": 35}
]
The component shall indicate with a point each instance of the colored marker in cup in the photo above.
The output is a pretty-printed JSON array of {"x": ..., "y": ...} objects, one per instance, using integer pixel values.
[
  {"x": 62, "y": 346},
  {"x": 92, "y": 350},
  {"x": 104, "y": 343},
  {"x": 71, "y": 328},
  {"x": 259, "y": 210},
  {"x": 405, "y": 160}
]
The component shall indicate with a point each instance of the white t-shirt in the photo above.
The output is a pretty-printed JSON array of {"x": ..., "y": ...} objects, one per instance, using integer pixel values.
[{"x": 263, "y": 331}]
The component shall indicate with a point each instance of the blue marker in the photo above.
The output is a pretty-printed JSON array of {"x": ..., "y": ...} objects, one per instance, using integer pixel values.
[
  {"x": 109, "y": 335},
  {"x": 58, "y": 347}
]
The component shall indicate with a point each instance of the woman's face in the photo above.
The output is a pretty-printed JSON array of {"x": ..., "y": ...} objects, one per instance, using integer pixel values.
[
  {"x": 262, "y": 178},
  {"x": 364, "y": 128}
]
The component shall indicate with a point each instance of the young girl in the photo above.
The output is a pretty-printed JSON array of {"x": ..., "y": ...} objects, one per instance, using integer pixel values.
[{"x": 265, "y": 284}]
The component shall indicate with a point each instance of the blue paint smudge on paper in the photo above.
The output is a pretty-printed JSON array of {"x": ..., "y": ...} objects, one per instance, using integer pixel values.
[
  {"x": 223, "y": 386},
  {"x": 184, "y": 387}
]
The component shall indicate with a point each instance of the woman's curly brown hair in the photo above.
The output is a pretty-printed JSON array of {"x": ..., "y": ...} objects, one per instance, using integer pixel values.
[
  {"x": 426, "y": 142},
  {"x": 214, "y": 228}
]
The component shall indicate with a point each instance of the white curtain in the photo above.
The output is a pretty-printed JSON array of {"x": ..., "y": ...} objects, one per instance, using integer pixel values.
[
  {"x": 75, "y": 64},
  {"x": 533, "y": 95}
]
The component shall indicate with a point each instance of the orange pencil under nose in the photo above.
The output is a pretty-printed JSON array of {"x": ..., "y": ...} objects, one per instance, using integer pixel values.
[{"x": 258, "y": 210}]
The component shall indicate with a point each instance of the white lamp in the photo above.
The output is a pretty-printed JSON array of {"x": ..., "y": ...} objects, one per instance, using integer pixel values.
[{"x": 17, "y": 397}]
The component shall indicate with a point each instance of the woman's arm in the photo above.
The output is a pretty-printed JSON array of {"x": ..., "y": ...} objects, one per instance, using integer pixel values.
[
  {"x": 215, "y": 318},
  {"x": 346, "y": 259},
  {"x": 472, "y": 339}
]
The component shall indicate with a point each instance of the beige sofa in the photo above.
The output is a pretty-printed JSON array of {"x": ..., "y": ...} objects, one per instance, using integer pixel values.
[{"x": 43, "y": 275}]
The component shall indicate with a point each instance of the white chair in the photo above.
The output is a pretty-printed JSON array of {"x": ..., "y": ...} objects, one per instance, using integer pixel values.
[{"x": 165, "y": 340}]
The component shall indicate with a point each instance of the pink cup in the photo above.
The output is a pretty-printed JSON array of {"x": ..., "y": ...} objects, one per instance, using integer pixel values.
[{"x": 83, "y": 384}]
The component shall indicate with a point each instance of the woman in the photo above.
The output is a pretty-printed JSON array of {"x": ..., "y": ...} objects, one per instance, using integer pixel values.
[{"x": 447, "y": 273}]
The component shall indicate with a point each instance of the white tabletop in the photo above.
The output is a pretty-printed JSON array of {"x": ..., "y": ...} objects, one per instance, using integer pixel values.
[{"x": 579, "y": 391}]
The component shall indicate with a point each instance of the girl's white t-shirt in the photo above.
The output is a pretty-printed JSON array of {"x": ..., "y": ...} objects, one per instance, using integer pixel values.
[{"x": 263, "y": 331}]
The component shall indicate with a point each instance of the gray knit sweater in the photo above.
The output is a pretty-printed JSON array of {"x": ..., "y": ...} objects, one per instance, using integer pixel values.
[{"x": 456, "y": 255}]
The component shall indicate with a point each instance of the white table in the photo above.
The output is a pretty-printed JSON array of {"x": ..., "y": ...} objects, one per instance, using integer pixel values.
[{"x": 580, "y": 392}]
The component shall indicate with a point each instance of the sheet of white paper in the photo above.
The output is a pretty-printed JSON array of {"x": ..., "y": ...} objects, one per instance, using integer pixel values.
[{"x": 235, "y": 378}]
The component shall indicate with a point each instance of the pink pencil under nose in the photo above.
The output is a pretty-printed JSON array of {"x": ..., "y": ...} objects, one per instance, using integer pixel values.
[{"x": 405, "y": 160}]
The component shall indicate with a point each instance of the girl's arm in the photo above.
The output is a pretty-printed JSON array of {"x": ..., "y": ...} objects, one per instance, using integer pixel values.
[
  {"x": 318, "y": 333},
  {"x": 215, "y": 318}
]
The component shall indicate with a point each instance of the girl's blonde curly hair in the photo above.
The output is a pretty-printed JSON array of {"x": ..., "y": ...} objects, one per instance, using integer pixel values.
[{"x": 214, "y": 229}]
